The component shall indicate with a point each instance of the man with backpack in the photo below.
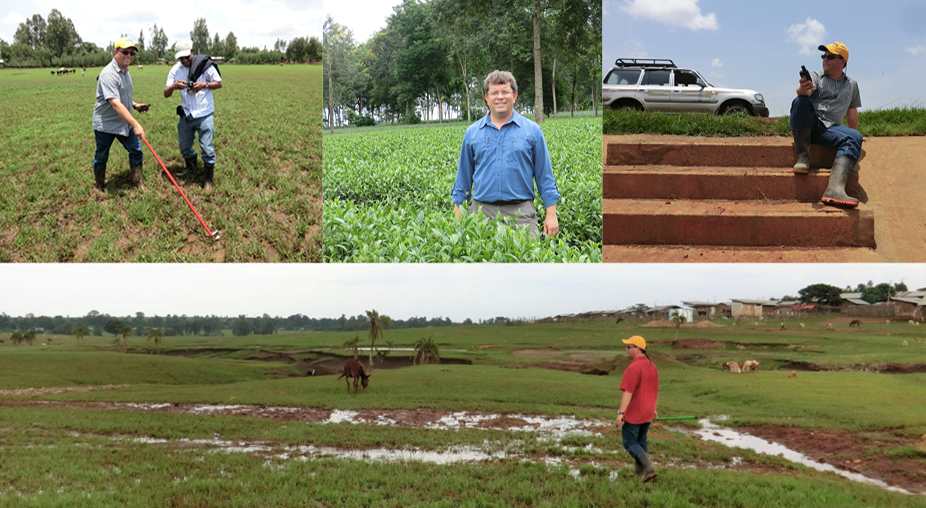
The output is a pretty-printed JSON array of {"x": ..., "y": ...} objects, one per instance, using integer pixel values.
[{"x": 195, "y": 76}]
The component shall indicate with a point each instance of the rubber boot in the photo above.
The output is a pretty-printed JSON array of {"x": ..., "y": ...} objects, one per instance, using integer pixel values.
[
  {"x": 802, "y": 150},
  {"x": 210, "y": 172},
  {"x": 638, "y": 468},
  {"x": 138, "y": 179},
  {"x": 648, "y": 472},
  {"x": 190, "y": 166},
  {"x": 99, "y": 175},
  {"x": 835, "y": 194}
]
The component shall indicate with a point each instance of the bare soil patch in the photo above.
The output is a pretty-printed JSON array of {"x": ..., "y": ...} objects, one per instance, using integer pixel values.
[
  {"x": 847, "y": 450},
  {"x": 544, "y": 352},
  {"x": 697, "y": 344},
  {"x": 880, "y": 368}
]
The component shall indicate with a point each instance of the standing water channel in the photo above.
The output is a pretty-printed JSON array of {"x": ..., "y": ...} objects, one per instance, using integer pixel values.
[{"x": 710, "y": 431}]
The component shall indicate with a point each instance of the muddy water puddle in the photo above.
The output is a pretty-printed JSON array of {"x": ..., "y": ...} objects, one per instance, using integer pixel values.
[{"x": 710, "y": 431}]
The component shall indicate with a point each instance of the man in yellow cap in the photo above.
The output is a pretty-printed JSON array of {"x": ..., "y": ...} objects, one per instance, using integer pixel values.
[
  {"x": 111, "y": 117},
  {"x": 640, "y": 385},
  {"x": 816, "y": 117}
]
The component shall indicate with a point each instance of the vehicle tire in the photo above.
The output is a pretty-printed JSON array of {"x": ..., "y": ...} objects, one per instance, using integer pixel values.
[
  {"x": 627, "y": 106},
  {"x": 736, "y": 107}
]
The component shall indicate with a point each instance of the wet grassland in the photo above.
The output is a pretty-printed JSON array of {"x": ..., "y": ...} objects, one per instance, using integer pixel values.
[
  {"x": 513, "y": 416},
  {"x": 267, "y": 198},
  {"x": 387, "y": 198}
]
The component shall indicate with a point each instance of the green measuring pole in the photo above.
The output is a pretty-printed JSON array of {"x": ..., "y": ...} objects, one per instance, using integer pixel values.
[{"x": 674, "y": 418}]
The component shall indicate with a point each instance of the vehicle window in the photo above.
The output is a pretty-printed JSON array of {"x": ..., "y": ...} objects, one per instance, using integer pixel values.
[
  {"x": 657, "y": 78},
  {"x": 683, "y": 78},
  {"x": 622, "y": 77}
]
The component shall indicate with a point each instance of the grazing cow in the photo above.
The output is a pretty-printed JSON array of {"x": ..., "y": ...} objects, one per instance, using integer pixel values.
[
  {"x": 619, "y": 320},
  {"x": 353, "y": 369},
  {"x": 801, "y": 325},
  {"x": 904, "y": 343},
  {"x": 829, "y": 326},
  {"x": 793, "y": 374},
  {"x": 140, "y": 67},
  {"x": 749, "y": 366},
  {"x": 856, "y": 322},
  {"x": 732, "y": 367},
  {"x": 311, "y": 372},
  {"x": 911, "y": 321}
]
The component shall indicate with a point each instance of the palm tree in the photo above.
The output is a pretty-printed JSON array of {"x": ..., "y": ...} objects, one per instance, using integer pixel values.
[
  {"x": 16, "y": 338},
  {"x": 155, "y": 335},
  {"x": 29, "y": 336},
  {"x": 353, "y": 343},
  {"x": 426, "y": 351},
  {"x": 80, "y": 333},
  {"x": 376, "y": 323},
  {"x": 679, "y": 320},
  {"x": 126, "y": 332}
]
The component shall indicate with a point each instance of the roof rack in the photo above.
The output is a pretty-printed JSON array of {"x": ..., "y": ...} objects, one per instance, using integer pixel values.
[{"x": 645, "y": 62}]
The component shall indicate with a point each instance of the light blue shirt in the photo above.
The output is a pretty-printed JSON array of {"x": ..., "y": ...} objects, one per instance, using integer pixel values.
[{"x": 503, "y": 164}]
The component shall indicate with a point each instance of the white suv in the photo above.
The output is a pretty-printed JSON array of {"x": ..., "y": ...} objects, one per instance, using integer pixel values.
[{"x": 658, "y": 85}]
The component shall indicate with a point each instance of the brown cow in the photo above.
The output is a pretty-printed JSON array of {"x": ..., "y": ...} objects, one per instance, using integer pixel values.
[
  {"x": 353, "y": 369},
  {"x": 733, "y": 367},
  {"x": 856, "y": 322}
]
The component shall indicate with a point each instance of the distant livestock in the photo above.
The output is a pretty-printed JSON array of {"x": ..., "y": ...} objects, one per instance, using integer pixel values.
[
  {"x": 619, "y": 320},
  {"x": 829, "y": 326},
  {"x": 792, "y": 374},
  {"x": 740, "y": 367},
  {"x": 732, "y": 367},
  {"x": 801, "y": 325},
  {"x": 856, "y": 322},
  {"x": 353, "y": 369},
  {"x": 140, "y": 67},
  {"x": 905, "y": 343}
]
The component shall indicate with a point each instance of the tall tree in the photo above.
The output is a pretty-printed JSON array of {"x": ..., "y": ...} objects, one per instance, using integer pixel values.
[
  {"x": 338, "y": 42},
  {"x": 217, "y": 48},
  {"x": 61, "y": 37},
  {"x": 231, "y": 46},
  {"x": 538, "y": 65},
  {"x": 80, "y": 333},
  {"x": 158, "y": 40},
  {"x": 126, "y": 332},
  {"x": 31, "y": 32},
  {"x": 141, "y": 40},
  {"x": 155, "y": 335},
  {"x": 821, "y": 293},
  {"x": 376, "y": 324},
  {"x": 200, "y": 37}
]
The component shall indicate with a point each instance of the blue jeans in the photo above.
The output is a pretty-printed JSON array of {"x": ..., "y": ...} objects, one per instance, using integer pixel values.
[
  {"x": 634, "y": 437},
  {"x": 846, "y": 141},
  {"x": 186, "y": 127},
  {"x": 104, "y": 141}
]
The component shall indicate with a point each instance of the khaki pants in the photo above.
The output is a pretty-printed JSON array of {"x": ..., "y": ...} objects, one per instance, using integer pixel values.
[{"x": 522, "y": 214}]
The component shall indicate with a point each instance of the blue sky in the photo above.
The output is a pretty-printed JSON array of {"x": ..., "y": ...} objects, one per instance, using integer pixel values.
[
  {"x": 477, "y": 291},
  {"x": 255, "y": 22},
  {"x": 762, "y": 45}
]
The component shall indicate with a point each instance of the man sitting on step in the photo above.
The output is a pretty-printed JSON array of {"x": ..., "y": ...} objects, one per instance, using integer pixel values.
[{"x": 816, "y": 116}]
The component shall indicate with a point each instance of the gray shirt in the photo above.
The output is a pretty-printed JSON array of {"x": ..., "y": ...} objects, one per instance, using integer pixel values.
[
  {"x": 113, "y": 84},
  {"x": 832, "y": 98}
]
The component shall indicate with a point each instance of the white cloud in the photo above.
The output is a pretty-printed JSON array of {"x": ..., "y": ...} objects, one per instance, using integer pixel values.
[
  {"x": 683, "y": 13},
  {"x": 915, "y": 51},
  {"x": 808, "y": 35},
  {"x": 716, "y": 63}
]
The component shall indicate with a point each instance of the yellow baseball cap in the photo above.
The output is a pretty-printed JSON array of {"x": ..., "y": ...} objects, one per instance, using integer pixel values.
[
  {"x": 636, "y": 340},
  {"x": 125, "y": 42},
  {"x": 836, "y": 48}
]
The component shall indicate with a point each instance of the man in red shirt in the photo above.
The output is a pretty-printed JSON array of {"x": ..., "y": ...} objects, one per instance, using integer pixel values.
[{"x": 640, "y": 385}]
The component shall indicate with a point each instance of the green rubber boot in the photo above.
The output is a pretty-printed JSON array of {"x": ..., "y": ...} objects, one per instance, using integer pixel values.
[
  {"x": 648, "y": 472},
  {"x": 802, "y": 150},
  {"x": 835, "y": 194}
]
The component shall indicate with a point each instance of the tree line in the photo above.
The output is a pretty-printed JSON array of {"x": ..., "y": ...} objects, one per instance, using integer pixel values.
[
  {"x": 97, "y": 324},
  {"x": 434, "y": 56},
  {"x": 827, "y": 294},
  {"x": 54, "y": 42}
]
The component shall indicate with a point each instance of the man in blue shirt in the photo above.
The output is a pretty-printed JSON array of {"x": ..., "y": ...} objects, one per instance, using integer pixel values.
[{"x": 503, "y": 155}]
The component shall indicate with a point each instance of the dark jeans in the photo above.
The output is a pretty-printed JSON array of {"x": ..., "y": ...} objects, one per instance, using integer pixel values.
[
  {"x": 104, "y": 141},
  {"x": 634, "y": 436},
  {"x": 846, "y": 141}
]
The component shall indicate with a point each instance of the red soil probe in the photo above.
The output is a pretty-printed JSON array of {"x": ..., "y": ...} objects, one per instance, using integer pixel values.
[{"x": 213, "y": 234}]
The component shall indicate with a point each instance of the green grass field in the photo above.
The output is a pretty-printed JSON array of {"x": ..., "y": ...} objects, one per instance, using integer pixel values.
[
  {"x": 74, "y": 450},
  {"x": 904, "y": 121},
  {"x": 267, "y": 199},
  {"x": 387, "y": 198}
]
